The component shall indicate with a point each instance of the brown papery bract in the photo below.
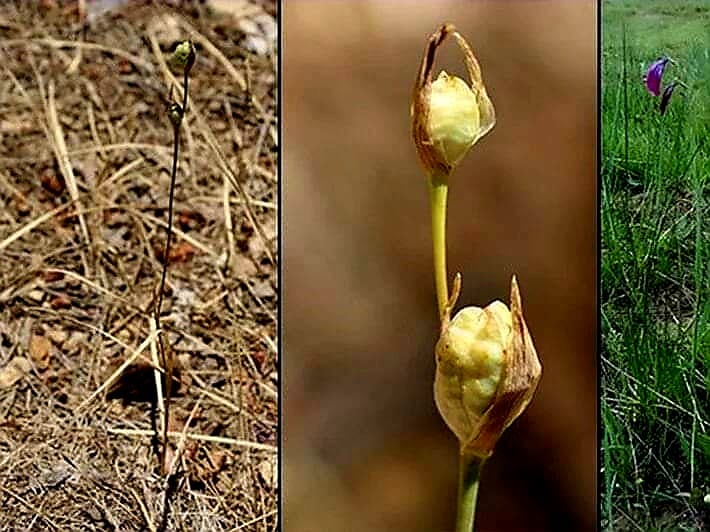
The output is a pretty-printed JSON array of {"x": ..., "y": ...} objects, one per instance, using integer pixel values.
[{"x": 521, "y": 374}]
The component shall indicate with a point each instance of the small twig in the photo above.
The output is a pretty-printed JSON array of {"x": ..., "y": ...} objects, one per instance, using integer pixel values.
[
  {"x": 57, "y": 43},
  {"x": 156, "y": 348},
  {"x": 199, "y": 437},
  {"x": 74, "y": 65},
  {"x": 186, "y": 237},
  {"x": 231, "y": 246},
  {"x": 172, "y": 470},
  {"x": 144, "y": 510},
  {"x": 256, "y": 519},
  {"x": 56, "y": 138}
]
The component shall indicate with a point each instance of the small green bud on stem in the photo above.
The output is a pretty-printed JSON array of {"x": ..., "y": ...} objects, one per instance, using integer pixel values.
[
  {"x": 184, "y": 56},
  {"x": 175, "y": 114}
]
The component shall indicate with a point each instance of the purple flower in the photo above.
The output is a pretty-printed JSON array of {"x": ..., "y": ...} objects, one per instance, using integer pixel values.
[{"x": 654, "y": 74}]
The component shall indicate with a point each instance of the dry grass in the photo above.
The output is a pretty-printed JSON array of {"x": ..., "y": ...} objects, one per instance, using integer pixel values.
[{"x": 84, "y": 174}]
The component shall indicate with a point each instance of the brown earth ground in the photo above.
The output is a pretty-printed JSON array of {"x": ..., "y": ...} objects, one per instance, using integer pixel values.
[{"x": 85, "y": 158}]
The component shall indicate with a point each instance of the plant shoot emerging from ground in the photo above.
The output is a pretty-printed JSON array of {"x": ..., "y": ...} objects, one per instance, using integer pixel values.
[
  {"x": 486, "y": 365},
  {"x": 183, "y": 57}
]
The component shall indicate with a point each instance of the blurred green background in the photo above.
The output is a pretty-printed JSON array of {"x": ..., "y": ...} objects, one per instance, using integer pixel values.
[{"x": 364, "y": 447}]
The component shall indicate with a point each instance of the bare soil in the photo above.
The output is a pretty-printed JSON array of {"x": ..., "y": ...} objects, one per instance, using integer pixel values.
[{"x": 85, "y": 159}]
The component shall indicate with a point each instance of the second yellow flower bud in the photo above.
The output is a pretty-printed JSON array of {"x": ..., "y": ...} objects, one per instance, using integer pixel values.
[{"x": 486, "y": 372}]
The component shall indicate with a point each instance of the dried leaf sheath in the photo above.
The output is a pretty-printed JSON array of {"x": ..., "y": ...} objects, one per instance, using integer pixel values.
[{"x": 521, "y": 374}]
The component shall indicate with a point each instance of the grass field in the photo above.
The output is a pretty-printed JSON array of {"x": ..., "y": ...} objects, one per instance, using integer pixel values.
[{"x": 655, "y": 280}]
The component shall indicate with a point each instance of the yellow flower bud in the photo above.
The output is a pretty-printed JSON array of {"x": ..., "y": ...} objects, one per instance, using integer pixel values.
[
  {"x": 454, "y": 118},
  {"x": 448, "y": 115},
  {"x": 487, "y": 371},
  {"x": 469, "y": 356}
]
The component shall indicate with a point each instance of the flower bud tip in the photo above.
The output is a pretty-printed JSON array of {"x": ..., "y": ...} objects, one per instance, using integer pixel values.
[{"x": 184, "y": 55}]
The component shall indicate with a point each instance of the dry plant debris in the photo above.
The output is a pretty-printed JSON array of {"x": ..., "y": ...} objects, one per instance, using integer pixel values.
[{"x": 85, "y": 155}]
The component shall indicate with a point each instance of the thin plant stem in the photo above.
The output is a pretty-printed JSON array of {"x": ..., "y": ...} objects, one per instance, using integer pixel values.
[
  {"x": 167, "y": 377},
  {"x": 166, "y": 252},
  {"x": 469, "y": 476},
  {"x": 173, "y": 174},
  {"x": 165, "y": 353},
  {"x": 438, "y": 191},
  {"x": 184, "y": 93}
]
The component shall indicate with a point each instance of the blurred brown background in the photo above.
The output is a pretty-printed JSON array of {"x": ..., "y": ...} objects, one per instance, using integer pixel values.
[{"x": 365, "y": 449}]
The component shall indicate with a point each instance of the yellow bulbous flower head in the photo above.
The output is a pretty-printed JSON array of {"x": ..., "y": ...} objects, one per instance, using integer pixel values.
[
  {"x": 454, "y": 118},
  {"x": 469, "y": 357},
  {"x": 486, "y": 372},
  {"x": 449, "y": 115}
]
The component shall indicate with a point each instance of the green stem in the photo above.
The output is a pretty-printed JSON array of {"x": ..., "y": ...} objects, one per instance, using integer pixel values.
[
  {"x": 438, "y": 190},
  {"x": 469, "y": 475}
]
